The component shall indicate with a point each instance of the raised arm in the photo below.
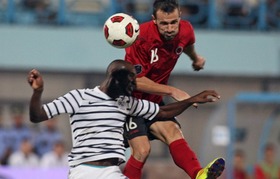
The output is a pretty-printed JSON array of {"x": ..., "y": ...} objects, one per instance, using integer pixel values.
[
  {"x": 36, "y": 112},
  {"x": 174, "y": 109}
]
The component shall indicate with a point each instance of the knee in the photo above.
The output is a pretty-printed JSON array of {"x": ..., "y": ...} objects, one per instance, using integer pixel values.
[
  {"x": 141, "y": 153},
  {"x": 174, "y": 133},
  {"x": 167, "y": 132}
]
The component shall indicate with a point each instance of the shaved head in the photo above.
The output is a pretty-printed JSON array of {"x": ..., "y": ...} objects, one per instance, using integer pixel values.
[
  {"x": 119, "y": 64},
  {"x": 121, "y": 78}
]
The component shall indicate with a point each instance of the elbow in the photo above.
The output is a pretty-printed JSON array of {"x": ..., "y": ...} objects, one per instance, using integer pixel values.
[
  {"x": 163, "y": 115},
  {"x": 36, "y": 116},
  {"x": 36, "y": 119}
]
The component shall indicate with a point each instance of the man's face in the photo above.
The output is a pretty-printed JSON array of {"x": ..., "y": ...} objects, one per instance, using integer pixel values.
[
  {"x": 123, "y": 83},
  {"x": 131, "y": 83},
  {"x": 167, "y": 23}
]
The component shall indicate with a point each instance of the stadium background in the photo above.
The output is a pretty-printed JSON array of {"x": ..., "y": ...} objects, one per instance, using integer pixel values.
[{"x": 66, "y": 43}]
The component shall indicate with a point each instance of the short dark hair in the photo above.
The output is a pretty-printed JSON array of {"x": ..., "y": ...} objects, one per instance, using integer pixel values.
[{"x": 165, "y": 5}]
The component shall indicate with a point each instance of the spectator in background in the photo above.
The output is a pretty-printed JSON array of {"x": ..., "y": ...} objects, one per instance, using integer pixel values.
[
  {"x": 239, "y": 168},
  {"x": 19, "y": 130},
  {"x": 195, "y": 11},
  {"x": 238, "y": 13},
  {"x": 25, "y": 157},
  {"x": 47, "y": 137},
  {"x": 5, "y": 149},
  {"x": 43, "y": 10},
  {"x": 57, "y": 157},
  {"x": 268, "y": 168},
  {"x": 273, "y": 13}
]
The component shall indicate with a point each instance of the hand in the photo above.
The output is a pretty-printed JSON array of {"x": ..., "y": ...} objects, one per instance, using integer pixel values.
[
  {"x": 35, "y": 80},
  {"x": 198, "y": 64},
  {"x": 206, "y": 96}
]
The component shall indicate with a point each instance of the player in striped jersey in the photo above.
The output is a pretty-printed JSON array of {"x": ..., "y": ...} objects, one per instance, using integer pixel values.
[{"x": 97, "y": 117}]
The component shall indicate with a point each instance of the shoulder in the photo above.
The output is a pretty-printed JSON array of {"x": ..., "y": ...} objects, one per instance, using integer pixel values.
[
  {"x": 144, "y": 27},
  {"x": 148, "y": 35},
  {"x": 79, "y": 92},
  {"x": 148, "y": 31},
  {"x": 186, "y": 33},
  {"x": 186, "y": 27}
]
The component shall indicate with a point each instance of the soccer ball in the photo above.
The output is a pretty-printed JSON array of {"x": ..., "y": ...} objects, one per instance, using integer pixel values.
[{"x": 121, "y": 30}]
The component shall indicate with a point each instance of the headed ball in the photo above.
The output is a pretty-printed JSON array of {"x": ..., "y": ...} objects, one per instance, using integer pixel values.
[{"x": 121, "y": 30}]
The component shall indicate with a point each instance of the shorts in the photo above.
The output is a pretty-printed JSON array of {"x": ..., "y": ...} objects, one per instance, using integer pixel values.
[
  {"x": 138, "y": 126},
  {"x": 95, "y": 172}
]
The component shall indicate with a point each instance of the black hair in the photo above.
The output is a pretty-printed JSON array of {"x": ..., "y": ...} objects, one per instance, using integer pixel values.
[
  {"x": 165, "y": 5},
  {"x": 119, "y": 83}
]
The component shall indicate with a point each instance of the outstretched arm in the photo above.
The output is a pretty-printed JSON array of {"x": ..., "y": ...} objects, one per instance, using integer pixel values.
[
  {"x": 174, "y": 109},
  {"x": 146, "y": 85},
  {"x": 36, "y": 112}
]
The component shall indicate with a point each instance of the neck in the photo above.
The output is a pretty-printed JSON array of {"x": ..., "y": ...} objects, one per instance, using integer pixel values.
[{"x": 104, "y": 86}]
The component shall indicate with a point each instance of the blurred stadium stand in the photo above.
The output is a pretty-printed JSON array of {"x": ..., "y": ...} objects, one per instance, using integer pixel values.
[{"x": 206, "y": 14}]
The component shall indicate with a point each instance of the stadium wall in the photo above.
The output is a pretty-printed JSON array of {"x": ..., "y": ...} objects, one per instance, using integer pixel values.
[{"x": 84, "y": 49}]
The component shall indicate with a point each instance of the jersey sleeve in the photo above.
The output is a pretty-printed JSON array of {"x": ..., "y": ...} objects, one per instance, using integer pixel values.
[
  {"x": 189, "y": 34},
  {"x": 67, "y": 104},
  {"x": 143, "y": 108}
]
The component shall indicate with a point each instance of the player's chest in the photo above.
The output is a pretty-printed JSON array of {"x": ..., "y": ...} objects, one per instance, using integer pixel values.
[{"x": 164, "y": 54}]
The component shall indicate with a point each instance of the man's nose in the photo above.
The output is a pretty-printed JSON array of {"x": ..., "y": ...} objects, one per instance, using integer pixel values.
[{"x": 169, "y": 28}]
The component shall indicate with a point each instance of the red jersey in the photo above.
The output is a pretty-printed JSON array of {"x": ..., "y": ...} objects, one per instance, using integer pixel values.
[{"x": 155, "y": 58}]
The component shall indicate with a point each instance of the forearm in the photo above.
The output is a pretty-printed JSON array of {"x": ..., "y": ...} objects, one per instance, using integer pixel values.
[
  {"x": 148, "y": 86},
  {"x": 36, "y": 112},
  {"x": 174, "y": 109},
  {"x": 190, "y": 51}
]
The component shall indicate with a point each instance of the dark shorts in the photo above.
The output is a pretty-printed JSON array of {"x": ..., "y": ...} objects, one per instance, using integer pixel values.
[{"x": 137, "y": 126}]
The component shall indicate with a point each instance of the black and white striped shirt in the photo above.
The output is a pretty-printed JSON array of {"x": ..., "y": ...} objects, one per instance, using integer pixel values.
[{"x": 97, "y": 122}]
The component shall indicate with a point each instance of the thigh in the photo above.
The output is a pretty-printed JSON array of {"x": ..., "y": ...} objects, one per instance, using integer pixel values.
[
  {"x": 166, "y": 131},
  {"x": 135, "y": 127}
]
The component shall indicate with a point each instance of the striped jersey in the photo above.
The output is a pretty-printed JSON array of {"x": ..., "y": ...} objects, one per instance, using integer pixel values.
[{"x": 97, "y": 122}]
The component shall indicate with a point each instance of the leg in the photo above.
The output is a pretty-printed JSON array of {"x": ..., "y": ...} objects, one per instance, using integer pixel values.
[
  {"x": 136, "y": 133},
  {"x": 169, "y": 132},
  {"x": 140, "y": 148}
]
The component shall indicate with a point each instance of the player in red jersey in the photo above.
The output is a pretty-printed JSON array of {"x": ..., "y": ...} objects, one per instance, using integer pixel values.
[{"x": 154, "y": 55}]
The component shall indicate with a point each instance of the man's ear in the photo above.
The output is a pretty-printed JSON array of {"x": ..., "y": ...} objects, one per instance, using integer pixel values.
[{"x": 154, "y": 19}]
